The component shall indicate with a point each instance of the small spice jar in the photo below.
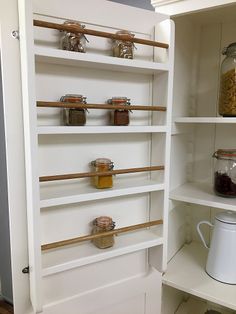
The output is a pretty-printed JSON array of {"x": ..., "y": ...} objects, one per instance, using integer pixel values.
[
  {"x": 120, "y": 116},
  {"x": 225, "y": 172},
  {"x": 73, "y": 41},
  {"x": 103, "y": 224},
  {"x": 74, "y": 116},
  {"x": 227, "y": 97},
  {"x": 123, "y": 48},
  {"x": 102, "y": 165}
]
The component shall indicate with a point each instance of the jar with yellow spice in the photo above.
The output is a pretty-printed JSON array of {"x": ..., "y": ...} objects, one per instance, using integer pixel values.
[
  {"x": 227, "y": 96},
  {"x": 102, "y": 165}
]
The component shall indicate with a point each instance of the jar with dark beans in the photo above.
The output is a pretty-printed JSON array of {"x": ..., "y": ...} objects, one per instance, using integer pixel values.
[
  {"x": 225, "y": 173},
  {"x": 74, "y": 116}
]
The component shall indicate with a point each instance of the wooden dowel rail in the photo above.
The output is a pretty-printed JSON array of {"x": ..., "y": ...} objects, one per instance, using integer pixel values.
[
  {"x": 95, "y": 174},
  {"x": 86, "y": 31},
  {"x": 58, "y": 104},
  {"x": 58, "y": 244}
]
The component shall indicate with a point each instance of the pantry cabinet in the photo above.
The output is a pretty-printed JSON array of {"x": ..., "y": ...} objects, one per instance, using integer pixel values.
[{"x": 154, "y": 269}]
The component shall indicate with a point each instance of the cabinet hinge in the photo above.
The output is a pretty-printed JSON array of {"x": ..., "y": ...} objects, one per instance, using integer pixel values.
[
  {"x": 25, "y": 270},
  {"x": 15, "y": 34}
]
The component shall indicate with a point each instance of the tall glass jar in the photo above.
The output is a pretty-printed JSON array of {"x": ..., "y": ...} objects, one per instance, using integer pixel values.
[
  {"x": 100, "y": 225},
  {"x": 74, "y": 116},
  {"x": 227, "y": 96},
  {"x": 103, "y": 165},
  {"x": 119, "y": 116},
  {"x": 123, "y": 48},
  {"x": 73, "y": 41},
  {"x": 225, "y": 172}
]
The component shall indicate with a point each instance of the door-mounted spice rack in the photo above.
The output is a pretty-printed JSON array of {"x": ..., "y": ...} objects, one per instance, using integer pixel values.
[
  {"x": 58, "y": 104},
  {"x": 58, "y": 244},
  {"x": 76, "y": 29},
  {"x": 98, "y": 174}
]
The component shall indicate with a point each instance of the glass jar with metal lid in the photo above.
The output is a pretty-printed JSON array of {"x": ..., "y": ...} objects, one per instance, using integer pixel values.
[
  {"x": 73, "y": 41},
  {"x": 225, "y": 172},
  {"x": 103, "y": 224},
  {"x": 74, "y": 116},
  {"x": 227, "y": 96},
  {"x": 120, "y": 116},
  {"x": 103, "y": 165},
  {"x": 123, "y": 48}
]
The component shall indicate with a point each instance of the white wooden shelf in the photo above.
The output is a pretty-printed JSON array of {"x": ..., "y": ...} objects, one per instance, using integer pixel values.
[
  {"x": 46, "y": 130},
  {"x": 202, "y": 194},
  {"x": 70, "y": 58},
  {"x": 68, "y": 194},
  {"x": 204, "y": 120},
  {"x": 186, "y": 272},
  {"x": 59, "y": 260}
]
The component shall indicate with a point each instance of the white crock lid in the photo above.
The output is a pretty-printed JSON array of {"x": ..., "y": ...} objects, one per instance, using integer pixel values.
[{"x": 227, "y": 217}]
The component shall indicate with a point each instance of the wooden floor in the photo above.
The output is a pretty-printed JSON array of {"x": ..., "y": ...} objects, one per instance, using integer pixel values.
[{"x": 5, "y": 308}]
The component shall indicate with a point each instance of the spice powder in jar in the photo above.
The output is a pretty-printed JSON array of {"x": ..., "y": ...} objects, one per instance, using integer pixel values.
[
  {"x": 102, "y": 165},
  {"x": 74, "y": 116},
  {"x": 123, "y": 48},
  {"x": 103, "y": 224},
  {"x": 120, "y": 116}
]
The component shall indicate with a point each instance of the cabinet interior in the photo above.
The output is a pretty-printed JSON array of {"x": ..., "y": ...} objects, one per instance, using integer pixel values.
[{"x": 197, "y": 132}]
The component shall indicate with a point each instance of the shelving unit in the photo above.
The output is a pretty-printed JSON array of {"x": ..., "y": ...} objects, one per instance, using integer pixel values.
[
  {"x": 202, "y": 194},
  {"x": 186, "y": 273},
  {"x": 65, "y": 210}
]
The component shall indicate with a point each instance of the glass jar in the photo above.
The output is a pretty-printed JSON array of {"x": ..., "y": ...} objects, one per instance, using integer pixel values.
[
  {"x": 73, "y": 41},
  {"x": 74, "y": 116},
  {"x": 227, "y": 97},
  {"x": 103, "y": 165},
  {"x": 103, "y": 224},
  {"x": 119, "y": 116},
  {"x": 121, "y": 48},
  {"x": 225, "y": 172}
]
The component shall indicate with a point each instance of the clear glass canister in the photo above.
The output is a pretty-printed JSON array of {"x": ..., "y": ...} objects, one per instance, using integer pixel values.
[
  {"x": 119, "y": 116},
  {"x": 103, "y": 165},
  {"x": 73, "y": 41},
  {"x": 227, "y": 96},
  {"x": 225, "y": 172},
  {"x": 103, "y": 224},
  {"x": 74, "y": 116},
  {"x": 123, "y": 48}
]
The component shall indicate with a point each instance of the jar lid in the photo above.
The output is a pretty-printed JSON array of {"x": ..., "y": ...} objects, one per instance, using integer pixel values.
[
  {"x": 101, "y": 161},
  {"x": 125, "y": 32},
  {"x": 104, "y": 222},
  {"x": 73, "y": 98},
  {"x": 231, "y": 49},
  {"x": 73, "y": 23},
  {"x": 225, "y": 153},
  {"x": 227, "y": 217},
  {"x": 119, "y": 100}
]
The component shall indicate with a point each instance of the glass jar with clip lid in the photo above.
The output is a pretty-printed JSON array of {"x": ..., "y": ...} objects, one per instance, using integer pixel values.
[{"x": 120, "y": 116}]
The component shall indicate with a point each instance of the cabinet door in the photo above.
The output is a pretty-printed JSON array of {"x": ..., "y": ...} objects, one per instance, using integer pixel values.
[{"x": 68, "y": 279}]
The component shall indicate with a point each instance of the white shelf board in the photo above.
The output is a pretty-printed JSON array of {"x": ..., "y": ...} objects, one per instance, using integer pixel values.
[
  {"x": 60, "y": 195},
  {"x": 47, "y": 130},
  {"x": 70, "y": 58},
  {"x": 202, "y": 194},
  {"x": 186, "y": 272},
  {"x": 66, "y": 258},
  {"x": 204, "y": 120}
]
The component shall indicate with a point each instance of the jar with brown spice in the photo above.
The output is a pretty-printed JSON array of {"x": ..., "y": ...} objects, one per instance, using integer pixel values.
[
  {"x": 103, "y": 224},
  {"x": 102, "y": 165},
  {"x": 119, "y": 116},
  {"x": 225, "y": 172},
  {"x": 123, "y": 48},
  {"x": 227, "y": 96},
  {"x": 74, "y": 116},
  {"x": 73, "y": 41}
]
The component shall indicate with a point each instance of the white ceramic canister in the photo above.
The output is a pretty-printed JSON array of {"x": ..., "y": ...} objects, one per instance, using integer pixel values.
[{"x": 221, "y": 261}]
